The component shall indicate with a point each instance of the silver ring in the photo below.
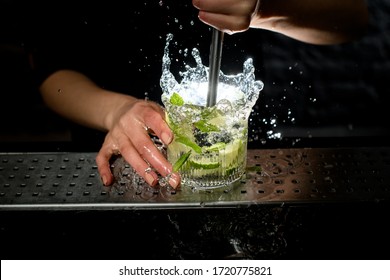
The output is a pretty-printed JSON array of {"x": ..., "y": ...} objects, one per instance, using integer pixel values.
[
  {"x": 148, "y": 170},
  {"x": 149, "y": 131}
]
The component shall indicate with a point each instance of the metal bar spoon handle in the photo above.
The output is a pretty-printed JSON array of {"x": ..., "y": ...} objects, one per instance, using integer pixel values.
[{"x": 215, "y": 65}]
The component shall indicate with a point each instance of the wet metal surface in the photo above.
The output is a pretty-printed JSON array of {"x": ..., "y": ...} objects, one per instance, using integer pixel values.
[{"x": 275, "y": 176}]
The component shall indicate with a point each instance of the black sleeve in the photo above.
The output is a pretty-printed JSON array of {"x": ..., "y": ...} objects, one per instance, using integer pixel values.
[
  {"x": 117, "y": 45},
  {"x": 56, "y": 39}
]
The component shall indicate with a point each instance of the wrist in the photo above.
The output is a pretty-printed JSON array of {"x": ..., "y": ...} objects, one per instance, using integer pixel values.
[{"x": 117, "y": 105}]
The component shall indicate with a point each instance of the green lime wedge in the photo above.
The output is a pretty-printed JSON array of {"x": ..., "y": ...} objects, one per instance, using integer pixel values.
[
  {"x": 186, "y": 141},
  {"x": 205, "y": 161},
  {"x": 219, "y": 121},
  {"x": 203, "y": 165},
  {"x": 216, "y": 147},
  {"x": 181, "y": 160},
  {"x": 176, "y": 99}
]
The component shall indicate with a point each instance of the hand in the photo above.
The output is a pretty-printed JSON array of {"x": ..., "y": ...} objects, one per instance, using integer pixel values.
[
  {"x": 229, "y": 16},
  {"x": 129, "y": 137}
]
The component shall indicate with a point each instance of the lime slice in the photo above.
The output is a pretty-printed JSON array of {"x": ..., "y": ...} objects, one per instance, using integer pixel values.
[
  {"x": 176, "y": 99},
  {"x": 216, "y": 147},
  {"x": 203, "y": 165},
  {"x": 206, "y": 161},
  {"x": 219, "y": 121},
  {"x": 186, "y": 141},
  {"x": 181, "y": 160}
]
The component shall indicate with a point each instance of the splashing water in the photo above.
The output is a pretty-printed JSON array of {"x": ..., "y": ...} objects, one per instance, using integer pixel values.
[
  {"x": 210, "y": 144},
  {"x": 193, "y": 87}
]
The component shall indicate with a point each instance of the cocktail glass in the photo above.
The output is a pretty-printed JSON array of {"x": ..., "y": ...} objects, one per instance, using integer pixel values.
[{"x": 210, "y": 143}]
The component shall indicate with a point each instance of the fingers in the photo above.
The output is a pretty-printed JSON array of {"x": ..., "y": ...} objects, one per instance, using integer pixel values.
[
  {"x": 147, "y": 152},
  {"x": 227, "y": 7},
  {"x": 226, "y": 23},
  {"x": 157, "y": 123},
  {"x": 130, "y": 138},
  {"x": 230, "y": 16},
  {"x": 215, "y": 6},
  {"x": 103, "y": 163},
  {"x": 109, "y": 149},
  {"x": 132, "y": 156}
]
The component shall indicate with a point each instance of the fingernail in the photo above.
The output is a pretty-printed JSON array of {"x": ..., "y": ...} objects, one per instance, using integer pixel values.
[
  {"x": 166, "y": 138},
  {"x": 104, "y": 180},
  {"x": 174, "y": 181},
  {"x": 149, "y": 179}
]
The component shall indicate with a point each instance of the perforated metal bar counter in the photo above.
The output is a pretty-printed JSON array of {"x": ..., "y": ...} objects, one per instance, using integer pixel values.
[
  {"x": 298, "y": 203},
  {"x": 59, "y": 180}
]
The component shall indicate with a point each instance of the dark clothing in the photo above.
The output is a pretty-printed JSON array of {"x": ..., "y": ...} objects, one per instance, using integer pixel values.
[
  {"x": 118, "y": 44},
  {"x": 308, "y": 90}
]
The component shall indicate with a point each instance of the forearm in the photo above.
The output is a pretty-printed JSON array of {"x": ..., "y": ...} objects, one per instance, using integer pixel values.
[
  {"x": 313, "y": 21},
  {"x": 75, "y": 97}
]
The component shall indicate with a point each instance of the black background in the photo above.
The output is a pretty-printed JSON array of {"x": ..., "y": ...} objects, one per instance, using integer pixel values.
[
  {"x": 310, "y": 91},
  {"x": 330, "y": 91}
]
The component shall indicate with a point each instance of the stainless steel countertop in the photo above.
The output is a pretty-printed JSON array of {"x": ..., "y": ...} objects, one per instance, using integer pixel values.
[{"x": 70, "y": 181}]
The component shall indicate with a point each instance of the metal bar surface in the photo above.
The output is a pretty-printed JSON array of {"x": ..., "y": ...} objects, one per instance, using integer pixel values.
[{"x": 70, "y": 181}]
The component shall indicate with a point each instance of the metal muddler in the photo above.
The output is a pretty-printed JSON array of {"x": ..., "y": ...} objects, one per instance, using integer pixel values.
[{"x": 214, "y": 67}]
